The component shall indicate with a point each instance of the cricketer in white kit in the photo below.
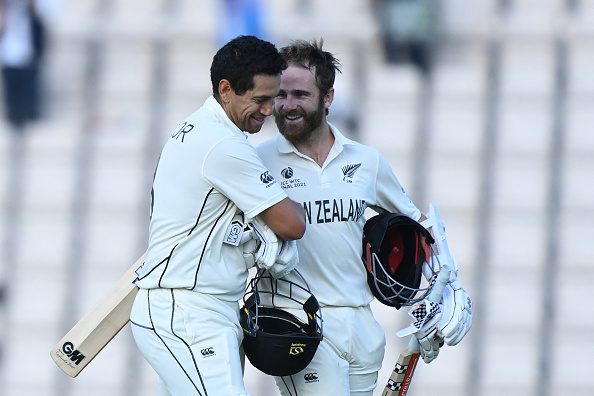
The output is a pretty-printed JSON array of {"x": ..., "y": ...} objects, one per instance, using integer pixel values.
[
  {"x": 189, "y": 274},
  {"x": 336, "y": 179},
  {"x": 185, "y": 318},
  {"x": 335, "y": 197}
]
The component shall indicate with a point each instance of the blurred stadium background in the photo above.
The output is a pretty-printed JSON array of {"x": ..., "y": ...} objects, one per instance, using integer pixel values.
[{"x": 492, "y": 122}]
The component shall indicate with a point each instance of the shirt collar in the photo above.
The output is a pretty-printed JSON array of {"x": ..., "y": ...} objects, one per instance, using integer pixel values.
[
  {"x": 284, "y": 146},
  {"x": 215, "y": 107}
]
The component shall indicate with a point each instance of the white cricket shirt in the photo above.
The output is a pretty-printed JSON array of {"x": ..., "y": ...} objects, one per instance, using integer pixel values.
[
  {"x": 335, "y": 196},
  {"x": 208, "y": 171}
]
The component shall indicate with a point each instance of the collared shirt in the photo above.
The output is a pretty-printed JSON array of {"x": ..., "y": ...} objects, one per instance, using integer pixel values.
[
  {"x": 208, "y": 171},
  {"x": 335, "y": 196}
]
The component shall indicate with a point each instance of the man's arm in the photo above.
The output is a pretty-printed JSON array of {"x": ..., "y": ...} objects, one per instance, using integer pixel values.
[{"x": 286, "y": 219}]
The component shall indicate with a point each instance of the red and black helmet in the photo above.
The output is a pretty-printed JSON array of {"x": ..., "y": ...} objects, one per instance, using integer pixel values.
[{"x": 395, "y": 250}]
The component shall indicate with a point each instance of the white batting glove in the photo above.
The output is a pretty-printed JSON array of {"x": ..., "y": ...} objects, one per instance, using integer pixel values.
[
  {"x": 269, "y": 246},
  {"x": 240, "y": 233},
  {"x": 456, "y": 319},
  {"x": 427, "y": 315},
  {"x": 287, "y": 260},
  {"x": 261, "y": 246}
]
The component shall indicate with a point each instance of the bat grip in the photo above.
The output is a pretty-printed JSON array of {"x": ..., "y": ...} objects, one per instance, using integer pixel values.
[
  {"x": 413, "y": 345},
  {"x": 434, "y": 296},
  {"x": 440, "y": 283}
]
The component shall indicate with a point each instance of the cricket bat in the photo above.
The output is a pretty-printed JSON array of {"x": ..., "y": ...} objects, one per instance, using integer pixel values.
[
  {"x": 401, "y": 377},
  {"x": 98, "y": 326}
]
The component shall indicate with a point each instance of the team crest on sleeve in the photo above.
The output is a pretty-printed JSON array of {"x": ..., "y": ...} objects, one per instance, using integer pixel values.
[{"x": 348, "y": 172}]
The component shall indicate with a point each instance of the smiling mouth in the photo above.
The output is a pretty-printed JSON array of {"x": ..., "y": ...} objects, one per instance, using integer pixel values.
[{"x": 293, "y": 118}]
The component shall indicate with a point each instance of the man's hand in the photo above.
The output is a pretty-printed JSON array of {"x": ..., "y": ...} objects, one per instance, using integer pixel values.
[
  {"x": 456, "y": 319},
  {"x": 427, "y": 315},
  {"x": 287, "y": 260},
  {"x": 261, "y": 246},
  {"x": 269, "y": 246}
]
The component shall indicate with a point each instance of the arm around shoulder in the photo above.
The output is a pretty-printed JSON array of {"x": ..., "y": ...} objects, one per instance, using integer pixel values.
[{"x": 286, "y": 219}]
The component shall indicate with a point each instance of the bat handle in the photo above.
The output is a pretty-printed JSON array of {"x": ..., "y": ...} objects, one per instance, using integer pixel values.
[
  {"x": 413, "y": 345},
  {"x": 440, "y": 284},
  {"x": 434, "y": 296}
]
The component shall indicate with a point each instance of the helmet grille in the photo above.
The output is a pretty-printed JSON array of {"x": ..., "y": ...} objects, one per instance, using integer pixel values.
[
  {"x": 275, "y": 341},
  {"x": 394, "y": 255}
]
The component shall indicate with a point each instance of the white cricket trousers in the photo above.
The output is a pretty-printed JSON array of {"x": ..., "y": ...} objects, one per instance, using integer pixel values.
[
  {"x": 348, "y": 359},
  {"x": 191, "y": 340}
]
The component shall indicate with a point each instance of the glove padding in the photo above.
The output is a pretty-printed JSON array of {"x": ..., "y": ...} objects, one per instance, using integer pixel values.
[
  {"x": 260, "y": 245},
  {"x": 287, "y": 260},
  {"x": 240, "y": 233},
  {"x": 456, "y": 319},
  {"x": 269, "y": 245},
  {"x": 427, "y": 315}
]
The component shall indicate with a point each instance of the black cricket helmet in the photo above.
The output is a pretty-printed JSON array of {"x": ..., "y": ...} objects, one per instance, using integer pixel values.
[
  {"x": 396, "y": 254},
  {"x": 275, "y": 341}
]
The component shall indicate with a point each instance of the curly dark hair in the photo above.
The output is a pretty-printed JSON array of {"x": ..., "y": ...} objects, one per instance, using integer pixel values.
[
  {"x": 241, "y": 59},
  {"x": 311, "y": 55}
]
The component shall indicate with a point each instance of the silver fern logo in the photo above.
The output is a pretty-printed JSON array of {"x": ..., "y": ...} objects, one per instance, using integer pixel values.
[{"x": 348, "y": 172}]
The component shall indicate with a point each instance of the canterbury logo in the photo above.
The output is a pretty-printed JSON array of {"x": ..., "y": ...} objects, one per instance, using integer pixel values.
[
  {"x": 266, "y": 177},
  {"x": 349, "y": 170},
  {"x": 310, "y": 377},
  {"x": 207, "y": 352},
  {"x": 287, "y": 173}
]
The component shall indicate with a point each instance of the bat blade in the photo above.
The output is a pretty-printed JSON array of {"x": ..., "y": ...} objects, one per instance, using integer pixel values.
[
  {"x": 98, "y": 326},
  {"x": 400, "y": 379}
]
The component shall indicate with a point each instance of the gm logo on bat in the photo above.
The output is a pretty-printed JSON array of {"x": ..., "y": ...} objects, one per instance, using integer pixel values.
[{"x": 75, "y": 356}]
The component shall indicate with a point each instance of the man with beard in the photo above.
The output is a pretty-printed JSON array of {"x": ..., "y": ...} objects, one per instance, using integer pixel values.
[{"x": 335, "y": 179}]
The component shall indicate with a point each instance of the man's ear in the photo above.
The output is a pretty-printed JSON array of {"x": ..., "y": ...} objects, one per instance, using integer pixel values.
[
  {"x": 328, "y": 98},
  {"x": 224, "y": 90}
]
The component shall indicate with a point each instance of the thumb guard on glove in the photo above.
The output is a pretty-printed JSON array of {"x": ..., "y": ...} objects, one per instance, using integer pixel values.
[{"x": 427, "y": 314}]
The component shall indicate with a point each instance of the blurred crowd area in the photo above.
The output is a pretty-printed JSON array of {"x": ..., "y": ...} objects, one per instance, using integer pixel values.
[{"x": 484, "y": 108}]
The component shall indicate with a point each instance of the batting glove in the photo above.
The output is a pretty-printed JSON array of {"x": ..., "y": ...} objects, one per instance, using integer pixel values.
[
  {"x": 240, "y": 233},
  {"x": 269, "y": 244},
  {"x": 287, "y": 260},
  {"x": 427, "y": 315},
  {"x": 456, "y": 319},
  {"x": 261, "y": 246}
]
